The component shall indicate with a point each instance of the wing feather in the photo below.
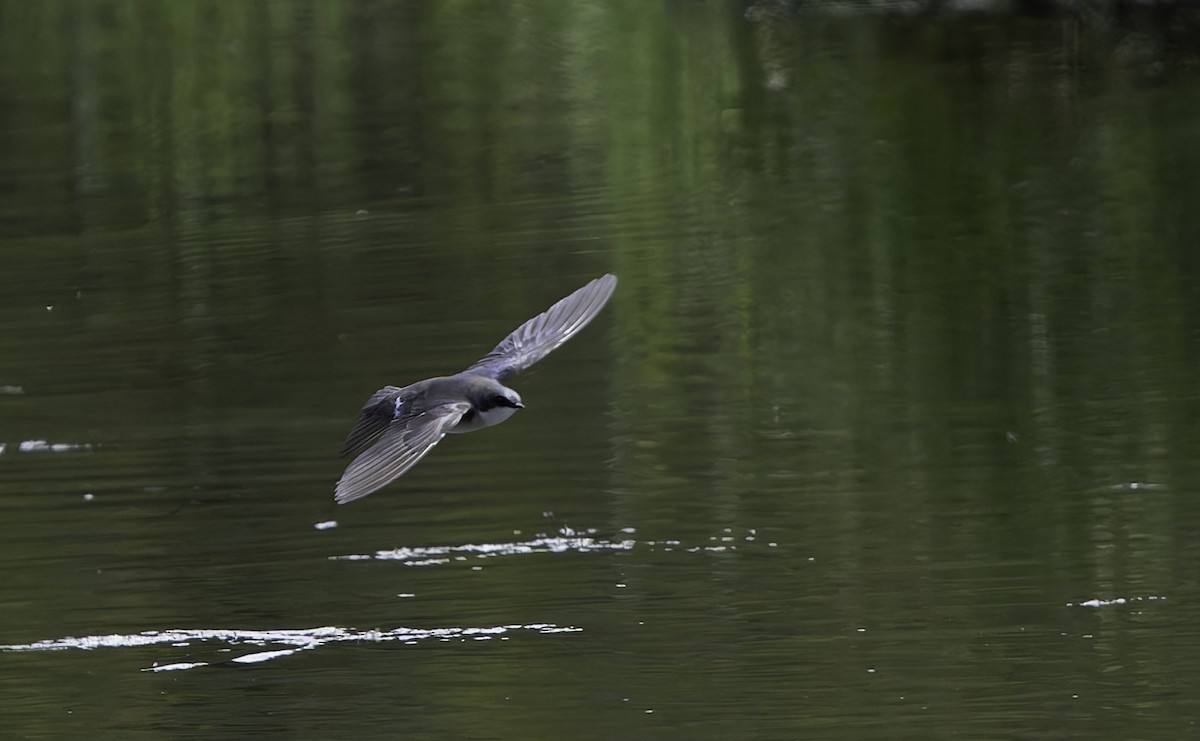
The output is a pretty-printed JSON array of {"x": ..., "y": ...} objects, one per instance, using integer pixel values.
[
  {"x": 538, "y": 337},
  {"x": 399, "y": 448},
  {"x": 374, "y": 417}
]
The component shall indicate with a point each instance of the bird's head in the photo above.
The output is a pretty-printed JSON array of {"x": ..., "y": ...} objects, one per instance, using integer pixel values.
[{"x": 506, "y": 397}]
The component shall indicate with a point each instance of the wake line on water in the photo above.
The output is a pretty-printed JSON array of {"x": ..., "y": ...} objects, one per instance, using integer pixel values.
[
  {"x": 41, "y": 446},
  {"x": 567, "y": 540},
  {"x": 292, "y": 641}
]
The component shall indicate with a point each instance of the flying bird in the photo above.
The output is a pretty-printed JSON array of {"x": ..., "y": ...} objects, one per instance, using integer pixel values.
[{"x": 398, "y": 426}]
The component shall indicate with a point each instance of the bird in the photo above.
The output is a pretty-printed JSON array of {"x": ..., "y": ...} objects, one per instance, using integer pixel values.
[{"x": 396, "y": 427}]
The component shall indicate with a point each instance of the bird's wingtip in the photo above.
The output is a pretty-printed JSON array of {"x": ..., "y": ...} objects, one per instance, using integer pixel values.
[
  {"x": 606, "y": 283},
  {"x": 342, "y": 495}
]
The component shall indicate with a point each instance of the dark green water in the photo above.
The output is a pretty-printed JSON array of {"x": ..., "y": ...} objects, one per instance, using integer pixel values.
[{"x": 890, "y": 430}]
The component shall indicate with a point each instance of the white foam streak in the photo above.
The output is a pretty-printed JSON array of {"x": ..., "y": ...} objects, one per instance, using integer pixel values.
[
  {"x": 1116, "y": 601},
  {"x": 434, "y": 555},
  {"x": 41, "y": 446},
  {"x": 295, "y": 640}
]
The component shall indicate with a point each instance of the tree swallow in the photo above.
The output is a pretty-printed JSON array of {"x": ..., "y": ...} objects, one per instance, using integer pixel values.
[{"x": 398, "y": 426}]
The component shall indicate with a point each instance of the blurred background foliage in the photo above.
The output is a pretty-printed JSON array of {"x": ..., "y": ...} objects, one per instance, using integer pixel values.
[{"x": 916, "y": 285}]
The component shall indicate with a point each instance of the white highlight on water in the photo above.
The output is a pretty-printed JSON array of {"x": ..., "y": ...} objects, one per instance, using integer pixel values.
[
  {"x": 292, "y": 641},
  {"x": 566, "y": 540},
  {"x": 41, "y": 446},
  {"x": 433, "y": 555},
  {"x": 1096, "y": 602}
]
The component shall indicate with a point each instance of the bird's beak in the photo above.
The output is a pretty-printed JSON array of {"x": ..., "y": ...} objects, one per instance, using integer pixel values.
[{"x": 519, "y": 405}]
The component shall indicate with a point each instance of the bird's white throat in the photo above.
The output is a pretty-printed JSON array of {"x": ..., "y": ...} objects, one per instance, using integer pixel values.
[{"x": 493, "y": 416}]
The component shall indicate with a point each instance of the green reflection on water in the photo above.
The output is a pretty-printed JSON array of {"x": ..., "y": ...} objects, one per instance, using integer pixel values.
[{"x": 906, "y": 311}]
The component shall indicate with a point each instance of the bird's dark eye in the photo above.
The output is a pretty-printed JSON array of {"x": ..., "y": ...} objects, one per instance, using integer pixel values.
[{"x": 502, "y": 401}]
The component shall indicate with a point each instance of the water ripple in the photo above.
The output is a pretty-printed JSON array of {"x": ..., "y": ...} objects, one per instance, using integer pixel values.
[
  {"x": 41, "y": 446},
  {"x": 567, "y": 540},
  {"x": 440, "y": 554},
  {"x": 1117, "y": 601},
  {"x": 294, "y": 640}
]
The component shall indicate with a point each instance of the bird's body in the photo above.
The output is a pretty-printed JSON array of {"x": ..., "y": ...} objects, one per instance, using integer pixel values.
[
  {"x": 485, "y": 409},
  {"x": 399, "y": 425}
]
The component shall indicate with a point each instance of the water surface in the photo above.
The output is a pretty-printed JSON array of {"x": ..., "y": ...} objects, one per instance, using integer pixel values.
[{"x": 889, "y": 431}]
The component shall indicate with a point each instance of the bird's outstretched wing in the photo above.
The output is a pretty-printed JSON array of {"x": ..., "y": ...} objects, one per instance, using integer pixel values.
[
  {"x": 536, "y": 338},
  {"x": 373, "y": 419},
  {"x": 405, "y": 441}
]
